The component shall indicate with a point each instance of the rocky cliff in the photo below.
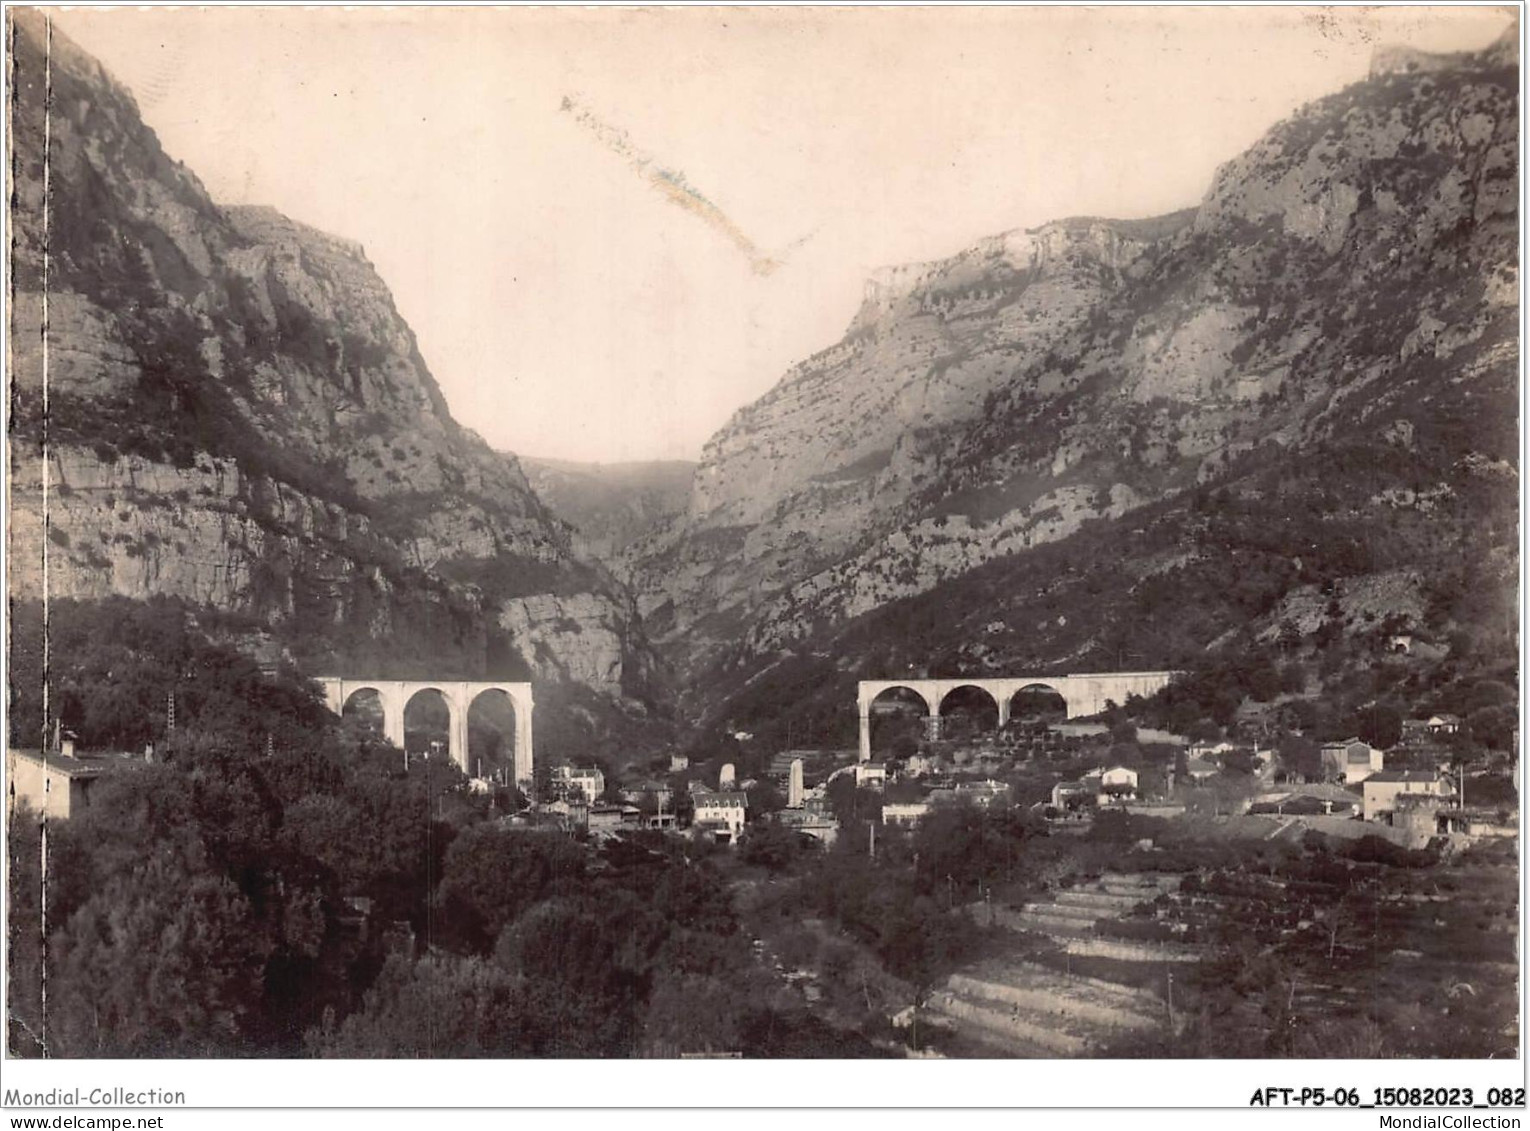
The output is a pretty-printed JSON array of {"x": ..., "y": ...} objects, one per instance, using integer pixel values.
[
  {"x": 1352, "y": 277},
  {"x": 796, "y": 481},
  {"x": 223, "y": 405},
  {"x": 611, "y": 505}
]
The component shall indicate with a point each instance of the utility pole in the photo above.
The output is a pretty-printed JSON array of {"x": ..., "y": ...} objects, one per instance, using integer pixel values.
[{"x": 1171, "y": 1004}]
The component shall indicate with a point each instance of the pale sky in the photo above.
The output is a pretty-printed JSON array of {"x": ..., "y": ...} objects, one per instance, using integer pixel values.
[{"x": 571, "y": 300}]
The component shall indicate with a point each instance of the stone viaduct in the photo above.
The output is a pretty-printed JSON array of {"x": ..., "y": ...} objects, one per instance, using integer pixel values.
[
  {"x": 1082, "y": 694},
  {"x": 395, "y": 695}
]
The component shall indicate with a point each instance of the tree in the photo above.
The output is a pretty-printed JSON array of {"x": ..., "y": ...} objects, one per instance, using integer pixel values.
[
  {"x": 853, "y": 806},
  {"x": 443, "y": 1005},
  {"x": 1489, "y": 693},
  {"x": 165, "y": 962},
  {"x": 1493, "y": 726},
  {"x": 1380, "y": 724},
  {"x": 24, "y": 928},
  {"x": 693, "y": 1013},
  {"x": 769, "y": 845},
  {"x": 1238, "y": 762},
  {"x": 1300, "y": 755},
  {"x": 584, "y": 964},
  {"x": 764, "y": 798},
  {"x": 967, "y": 846},
  {"x": 491, "y": 874}
]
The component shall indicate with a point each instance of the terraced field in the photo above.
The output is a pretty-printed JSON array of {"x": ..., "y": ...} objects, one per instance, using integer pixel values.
[
  {"x": 1348, "y": 958},
  {"x": 1027, "y": 1007}
]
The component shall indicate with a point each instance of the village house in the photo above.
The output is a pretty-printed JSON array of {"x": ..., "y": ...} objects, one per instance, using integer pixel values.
[
  {"x": 906, "y": 814},
  {"x": 983, "y": 793},
  {"x": 1199, "y": 769},
  {"x": 1119, "y": 783},
  {"x": 1443, "y": 724},
  {"x": 1350, "y": 761},
  {"x": 649, "y": 794},
  {"x": 721, "y": 814},
  {"x": 870, "y": 775},
  {"x": 1423, "y": 732},
  {"x": 1420, "y": 817},
  {"x": 571, "y": 816},
  {"x": 55, "y": 785},
  {"x": 1382, "y": 790},
  {"x": 586, "y": 782},
  {"x": 1099, "y": 787},
  {"x": 609, "y": 819},
  {"x": 1070, "y": 794},
  {"x": 918, "y": 765},
  {"x": 1210, "y": 751}
]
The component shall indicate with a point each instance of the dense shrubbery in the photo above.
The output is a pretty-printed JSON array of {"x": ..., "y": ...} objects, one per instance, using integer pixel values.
[
  {"x": 113, "y": 664},
  {"x": 1235, "y": 553},
  {"x": 255, "y": 888}
]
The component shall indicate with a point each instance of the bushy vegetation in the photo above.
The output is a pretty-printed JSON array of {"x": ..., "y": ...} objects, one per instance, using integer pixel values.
[
  {"x": 276, "y": 883},
  {"x": 1201, "y": 584}
]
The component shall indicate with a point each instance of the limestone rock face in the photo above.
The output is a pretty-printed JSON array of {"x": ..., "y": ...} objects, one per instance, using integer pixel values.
[
  {"x": 238, "y": 416},
  {"x": 582, "y": 638},
  {"x": 1354, "y": 270},
  {"x": 611, "y": 505}
]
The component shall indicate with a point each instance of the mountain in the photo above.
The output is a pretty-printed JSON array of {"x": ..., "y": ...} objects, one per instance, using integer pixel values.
[
  {"x": 611, "y": 505},
  {"x": 223, "y": 406},
  {"x": 1334, "y": 326}
]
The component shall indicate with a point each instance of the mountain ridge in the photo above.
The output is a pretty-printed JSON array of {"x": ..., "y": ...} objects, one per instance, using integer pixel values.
[
  {"x": 1356, "y": 264},
  {"x": 611, "y": 505},
  {"x": 238, "y": 417}
]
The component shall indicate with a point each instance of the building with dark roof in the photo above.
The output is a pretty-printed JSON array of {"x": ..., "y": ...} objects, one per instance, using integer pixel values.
[
  {"x": 720, "y": 813},
  {"x": 50, "y": 784}
]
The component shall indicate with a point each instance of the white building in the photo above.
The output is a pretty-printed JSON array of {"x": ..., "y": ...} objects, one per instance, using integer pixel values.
[
  {"x": 722, "y": 813},
  {"x": 1116, "y": 782},
  {"x": 905, "y": 813},
  {"x": 1382, "y": 790},
  {"x": 872, "y": 774},
  {"x": 1350, "y": 761},
  {"x": 981, "y": 793},
  {"x": 587, "y": 782},
  {"x": 53, "y": 785},
  {"x": 918, "y": 765}
]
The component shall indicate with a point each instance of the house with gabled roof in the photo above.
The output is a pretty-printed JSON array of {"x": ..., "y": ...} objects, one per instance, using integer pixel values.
[
  {"x": 1383, "y": 790},
  {"x": 1350, "y": 760}
]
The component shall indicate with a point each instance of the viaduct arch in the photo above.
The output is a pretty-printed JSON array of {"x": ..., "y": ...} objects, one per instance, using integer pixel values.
[
  {"x": 1084, "y": 694},
  {"x": 459, "y": 696}
]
